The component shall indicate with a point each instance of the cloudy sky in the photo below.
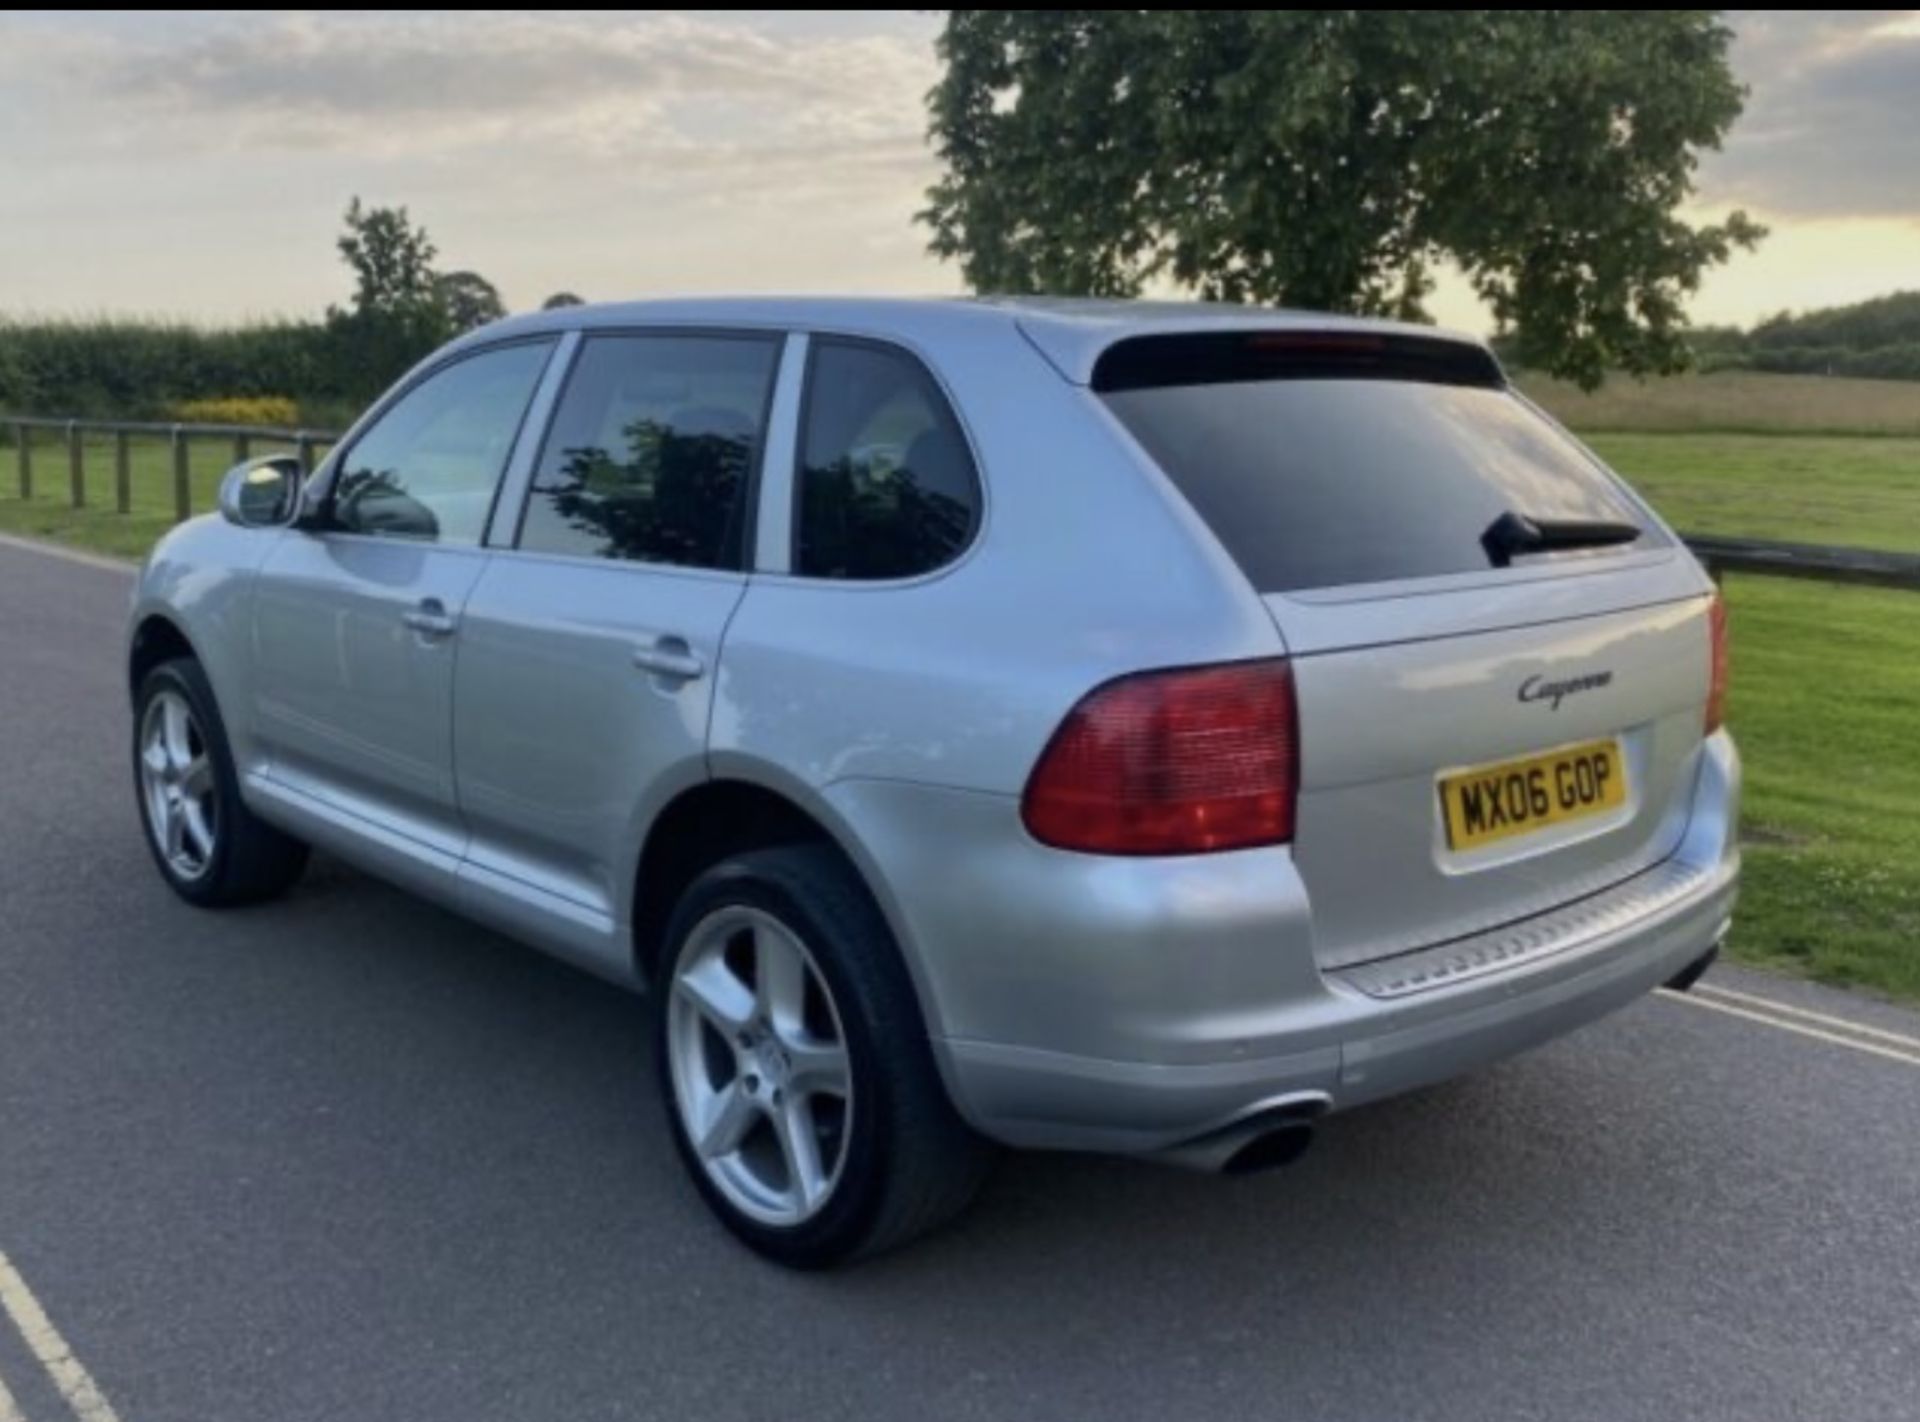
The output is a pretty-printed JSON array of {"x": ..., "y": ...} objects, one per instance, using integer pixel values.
[{"x": 197, "y": 165}]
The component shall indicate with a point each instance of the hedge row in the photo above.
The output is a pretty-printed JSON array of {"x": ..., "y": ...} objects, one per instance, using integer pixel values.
[{"x": 116, "y": 369}]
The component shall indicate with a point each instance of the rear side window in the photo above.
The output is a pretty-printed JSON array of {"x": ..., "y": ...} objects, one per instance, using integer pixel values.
[
  {"x": 886, "y": 486},
  {"x": 1322, "y": 461},
  {"x": 652, "y": 449}
]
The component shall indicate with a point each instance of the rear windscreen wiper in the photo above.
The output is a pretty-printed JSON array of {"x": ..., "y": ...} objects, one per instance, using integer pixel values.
[{"x": 1511, "y": 535}]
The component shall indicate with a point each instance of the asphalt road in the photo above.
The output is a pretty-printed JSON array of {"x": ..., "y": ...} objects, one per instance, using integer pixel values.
[{"x": 345, "y": 1157}]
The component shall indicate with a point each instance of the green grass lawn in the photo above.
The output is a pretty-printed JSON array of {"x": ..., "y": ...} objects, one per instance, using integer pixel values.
[
  {"x": 1826, "y": 693},
  {"x": 1807, "y": 489},
  {"x": 1826, "y": 707},
  {"x": 1826, "y": 699}
]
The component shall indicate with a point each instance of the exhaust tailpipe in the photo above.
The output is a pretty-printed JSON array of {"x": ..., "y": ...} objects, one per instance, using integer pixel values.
[
  {"x": 1280, "y": 1146},
  {"x": 1694, "y": 971},
  {"x": 1271, "y": 1136}
]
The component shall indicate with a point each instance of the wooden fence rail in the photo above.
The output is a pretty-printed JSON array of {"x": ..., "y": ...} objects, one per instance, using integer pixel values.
[
  {"x": 1807, "y": 560},
  {"x": 179, "y": 436}
]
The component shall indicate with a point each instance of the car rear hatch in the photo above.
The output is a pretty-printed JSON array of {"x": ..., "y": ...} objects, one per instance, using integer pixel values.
[{"x": 1501, "y": 658}]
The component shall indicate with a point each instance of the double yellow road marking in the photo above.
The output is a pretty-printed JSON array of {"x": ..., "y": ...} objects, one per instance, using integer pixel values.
[
  {"x": 76, "y": 1386},
  {"x": 1803, "y": 1022}
]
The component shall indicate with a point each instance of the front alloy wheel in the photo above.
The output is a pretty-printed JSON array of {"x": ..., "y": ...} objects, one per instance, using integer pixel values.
[
  {"x": 759, "y": 1066},
  {"x": 211, "y": 849},
  {"x": 176, "y": 776}
]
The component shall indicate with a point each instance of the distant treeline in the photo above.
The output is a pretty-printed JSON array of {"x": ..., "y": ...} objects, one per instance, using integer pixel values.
[
  {"x": 1878, "y": 339},
  {"x": 322, "y": 372},
  {"x": 126, "y": 369},
  {"x": 1870, "y": 338},
  {"x": 129, "y": 369}
]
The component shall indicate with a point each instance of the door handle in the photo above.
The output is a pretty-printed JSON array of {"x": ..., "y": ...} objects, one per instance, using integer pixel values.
[
  {"x": 670, "y": 656},
  {"x": 430, "y": 619}
]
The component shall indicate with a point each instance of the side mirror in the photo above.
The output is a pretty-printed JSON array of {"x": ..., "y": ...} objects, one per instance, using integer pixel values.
[{"x": 262, "y": 493}]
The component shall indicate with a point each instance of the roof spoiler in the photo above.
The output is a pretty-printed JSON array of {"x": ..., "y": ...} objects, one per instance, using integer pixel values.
[{"x": 1292, "y": 353}]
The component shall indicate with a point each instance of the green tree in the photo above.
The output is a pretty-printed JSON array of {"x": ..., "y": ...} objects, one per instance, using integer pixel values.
[
  {"x": 469, "y": 299},
  {"x": 397, "y": 316},
  {"x": 391, "y": 259},
  {"x": 560, "y": 299},
  {"x": 1329, "y": 158}
]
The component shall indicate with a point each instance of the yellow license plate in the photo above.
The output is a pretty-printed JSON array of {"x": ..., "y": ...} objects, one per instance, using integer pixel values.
[{"x": 1490, "y": 803}]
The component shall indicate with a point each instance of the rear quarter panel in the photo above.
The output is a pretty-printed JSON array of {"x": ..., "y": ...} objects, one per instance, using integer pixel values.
[
  {"x": 940, "y": 692},
  {"x": 1082, "y": 570}
]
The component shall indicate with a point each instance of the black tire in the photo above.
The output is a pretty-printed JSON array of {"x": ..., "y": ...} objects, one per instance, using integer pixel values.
[
  {"x": 910, "y": 1162},
  {"x": 251, "y": 860}
]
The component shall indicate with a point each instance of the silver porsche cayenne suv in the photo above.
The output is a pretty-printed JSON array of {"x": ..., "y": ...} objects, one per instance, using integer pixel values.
[{"x": 1097, "y": 726}]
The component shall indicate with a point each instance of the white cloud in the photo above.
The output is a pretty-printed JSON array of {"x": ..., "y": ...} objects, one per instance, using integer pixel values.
[
  {"x": 1828, "y": 129},
  {"x": 212, "y": 156},
  {"x": 671, "y": 86}
]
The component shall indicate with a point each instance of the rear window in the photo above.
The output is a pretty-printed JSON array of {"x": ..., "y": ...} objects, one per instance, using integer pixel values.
[{"x": 1322, "y": 461}]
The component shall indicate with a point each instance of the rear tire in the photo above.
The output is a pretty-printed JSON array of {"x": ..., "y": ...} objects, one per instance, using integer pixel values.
[
  {"x": 786, "y": 1030},
  {"x": 209, "y": 847}
]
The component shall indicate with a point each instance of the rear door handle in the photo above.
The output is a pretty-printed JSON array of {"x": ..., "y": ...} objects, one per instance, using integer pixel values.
[
  {"x": 430, "y": 619},
  {"x": 670, "y": 656}
]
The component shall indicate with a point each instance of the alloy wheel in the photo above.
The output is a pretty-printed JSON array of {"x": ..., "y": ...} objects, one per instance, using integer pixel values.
[
  {"x": 176, "y": 777},
  {"x": 759, "y": 1065}
]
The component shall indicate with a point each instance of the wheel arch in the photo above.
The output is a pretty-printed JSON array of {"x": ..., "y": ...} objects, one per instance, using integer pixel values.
[
  {"x": 157, "y": 637},
  {"x": 745, "y": 805}
]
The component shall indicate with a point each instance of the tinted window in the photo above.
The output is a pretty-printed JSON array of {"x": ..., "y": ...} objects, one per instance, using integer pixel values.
[
  {"x": 428, "y": 466},
  {"x": 652, "y": 450},
  {"x": 1315, "y": 481},
  {"x": 887, "y": 488}
]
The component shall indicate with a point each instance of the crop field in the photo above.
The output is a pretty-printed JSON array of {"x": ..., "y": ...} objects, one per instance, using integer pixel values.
[{"x": 1736, "y": 402}]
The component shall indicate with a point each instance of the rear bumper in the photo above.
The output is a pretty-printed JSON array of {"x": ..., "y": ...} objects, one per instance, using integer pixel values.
[
  {"x": 1159, "y": 1002},
  {"x": 1041, "y": 1099}
]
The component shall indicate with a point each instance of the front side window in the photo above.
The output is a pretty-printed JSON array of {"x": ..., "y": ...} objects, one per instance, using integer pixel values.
[
  {"x": 887, "y": 487},
  {"x": 651, "y": 454},
  {"x": 428, "y": 466}
]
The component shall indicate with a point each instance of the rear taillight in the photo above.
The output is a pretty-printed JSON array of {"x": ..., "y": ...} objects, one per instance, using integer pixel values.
[
  {"x": 1717, "y": 675},
  {"x": 1172, "y": 762}
]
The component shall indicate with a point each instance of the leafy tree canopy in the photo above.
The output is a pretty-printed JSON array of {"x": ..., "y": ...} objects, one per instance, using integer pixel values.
[
  {"x": 392, "y": 260},
  {"x": 1328, "y": 158},
  {"x": 470, "y": 300},
  {"x": 402, "y": 307},
  {"x": 559, "y": 299}
]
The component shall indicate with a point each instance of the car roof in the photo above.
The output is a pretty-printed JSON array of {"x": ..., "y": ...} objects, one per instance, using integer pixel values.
[{"x": 1070, "y": 332}]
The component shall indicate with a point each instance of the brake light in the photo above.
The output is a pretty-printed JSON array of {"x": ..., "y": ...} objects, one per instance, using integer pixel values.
[
  {"x": 1717, "y": 674},
  {"x": 1172, "y": 762}
]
